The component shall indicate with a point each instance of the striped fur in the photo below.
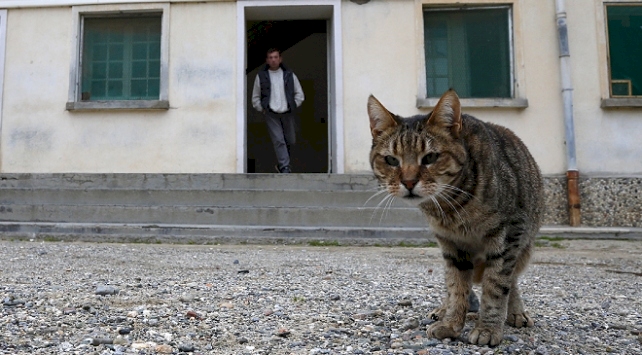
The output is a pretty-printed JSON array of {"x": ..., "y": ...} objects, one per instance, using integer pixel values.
[{"x": 481, "y": 191}]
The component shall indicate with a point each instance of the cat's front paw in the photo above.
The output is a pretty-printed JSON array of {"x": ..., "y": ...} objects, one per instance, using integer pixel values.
[
  {"x": 437, "y": 313},
  {"x": 483, "y": 335},
  {"x": 519, "y": 320},
  {"x": 441, "y": 330}
]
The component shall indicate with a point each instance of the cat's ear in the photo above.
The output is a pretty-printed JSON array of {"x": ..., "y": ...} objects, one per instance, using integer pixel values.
[
  {"x": 447, "y": 113},
  {"x": 380, "y": 118}
]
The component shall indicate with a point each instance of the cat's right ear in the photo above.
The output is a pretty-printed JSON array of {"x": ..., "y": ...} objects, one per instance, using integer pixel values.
[{"x": 380, "y": 118}]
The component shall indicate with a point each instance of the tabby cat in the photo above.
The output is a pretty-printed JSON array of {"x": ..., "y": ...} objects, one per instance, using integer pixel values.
[{"x": 481, "y": 191}]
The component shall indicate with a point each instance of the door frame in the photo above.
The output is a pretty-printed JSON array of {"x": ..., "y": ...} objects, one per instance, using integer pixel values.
[
  {"x": 335, "y": 71},
  {"x": 3, "y": 45}
]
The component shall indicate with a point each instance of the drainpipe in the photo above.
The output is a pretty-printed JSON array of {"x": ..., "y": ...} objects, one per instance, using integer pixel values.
[{"x": 572, "y": 174}]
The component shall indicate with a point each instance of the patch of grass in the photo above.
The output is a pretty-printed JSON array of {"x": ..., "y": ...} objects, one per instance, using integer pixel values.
[
  {"x": 419, "y": 245},
  {"x": 144, "y": 241},
  {"x": 558, "y": 246},
  {"x": 547, "y": 244},
  {"x": 324, "y": 243},
  {"x": 551, "y": 239},
  {"x": 297, "y": 299},
  {"x": 51, "y": 239}
]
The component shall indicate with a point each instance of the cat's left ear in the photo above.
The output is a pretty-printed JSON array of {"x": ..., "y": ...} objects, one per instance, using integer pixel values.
[
  {"x": 380, "y": 118},
  {"x": 447, "y": 113}
]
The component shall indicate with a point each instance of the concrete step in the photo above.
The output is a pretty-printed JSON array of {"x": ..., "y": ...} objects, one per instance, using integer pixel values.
[
  {"x": 213, "y": 215},
  {"x": 168, "y": 197},
  {"x": 204, "y": 208},
  {"x": 306, "y": 182},
  {"x": 214, "y": 234}
]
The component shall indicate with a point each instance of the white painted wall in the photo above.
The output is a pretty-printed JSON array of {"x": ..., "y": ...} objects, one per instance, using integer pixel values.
[
  {"x": 608, "y": 140},
  {"x": 382, "y": 45},
  {"x": 195, "y": 135},
  {"x": 382, "y": 49}
]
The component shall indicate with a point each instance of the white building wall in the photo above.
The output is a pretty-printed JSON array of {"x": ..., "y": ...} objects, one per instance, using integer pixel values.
[
  {"x": 383, "y": 42},
  {"x": 382, "y": 49},
  {"x": 195, "y": 135},
  {"x": 608, "y": 140}
]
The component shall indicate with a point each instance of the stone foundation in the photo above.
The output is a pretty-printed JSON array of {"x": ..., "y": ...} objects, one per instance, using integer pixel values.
[{"x": 605, "y": 201}]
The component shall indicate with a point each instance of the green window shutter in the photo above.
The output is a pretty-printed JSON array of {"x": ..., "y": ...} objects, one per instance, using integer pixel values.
[
  {"x": 121, "y": 58},
  {"x": 469, "y": 51},
  {"x": 625, "y": 49}
]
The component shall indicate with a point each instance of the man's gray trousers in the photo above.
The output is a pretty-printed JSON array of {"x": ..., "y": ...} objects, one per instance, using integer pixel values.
[{"x": 282, "y": 132}]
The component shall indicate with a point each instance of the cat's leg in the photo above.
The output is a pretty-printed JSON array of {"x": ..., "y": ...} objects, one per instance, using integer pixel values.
[
  {"x": 517, "y": 317},
  {"x": 496, "y": 286},
  {"x": 452, "y": 313},
  {"x": 439, "y": 312}
]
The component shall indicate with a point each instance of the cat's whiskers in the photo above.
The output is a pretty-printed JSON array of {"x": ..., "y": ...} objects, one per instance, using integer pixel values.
[
  {"x": 434, "y": 200},
  {"x": 383, "y": 201},
  {"x": 387, "y": 208},
  {"x": 446, "y": 198},
  {"x": 456, "y": 189},
  {"x": 447, "y": 193},
  {"x": 382, "y": 191}
]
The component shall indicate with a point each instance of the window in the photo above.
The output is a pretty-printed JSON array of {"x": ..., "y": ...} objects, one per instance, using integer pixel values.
[
  {"x": 624, "y": 26},
  {"x": 468, "y": 50},
  {"x": 121, "y": 57}
]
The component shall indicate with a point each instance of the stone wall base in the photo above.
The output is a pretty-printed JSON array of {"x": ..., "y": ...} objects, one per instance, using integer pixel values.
[{"x": 605, "y": 201}]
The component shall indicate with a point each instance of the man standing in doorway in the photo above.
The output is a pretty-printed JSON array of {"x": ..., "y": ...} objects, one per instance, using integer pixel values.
[{"x": 277, "y": 93}]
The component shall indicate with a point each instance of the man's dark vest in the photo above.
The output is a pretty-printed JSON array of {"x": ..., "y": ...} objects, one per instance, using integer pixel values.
[{"x": 288, "y": 84}]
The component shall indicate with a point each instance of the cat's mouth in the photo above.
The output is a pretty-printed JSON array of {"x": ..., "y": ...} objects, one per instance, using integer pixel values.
[{"x": 412, "y": 196}]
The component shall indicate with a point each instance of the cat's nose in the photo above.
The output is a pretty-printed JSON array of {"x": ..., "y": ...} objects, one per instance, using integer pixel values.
[{"x": 409, "y": 184}]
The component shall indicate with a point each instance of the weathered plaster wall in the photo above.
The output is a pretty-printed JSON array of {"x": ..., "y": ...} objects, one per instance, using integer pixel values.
[
  {"x": 379, "y": 59},
  {"x": 195, "y": 135},
  {"x": 608, "y": 140},
  {"x": 382, "y": 49}
]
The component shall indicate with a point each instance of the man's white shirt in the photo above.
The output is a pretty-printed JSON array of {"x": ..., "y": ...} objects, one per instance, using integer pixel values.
[{"x": 278, "y": 102}]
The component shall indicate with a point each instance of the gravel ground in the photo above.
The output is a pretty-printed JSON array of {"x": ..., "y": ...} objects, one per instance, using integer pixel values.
[{"x": 84, "y": 298}]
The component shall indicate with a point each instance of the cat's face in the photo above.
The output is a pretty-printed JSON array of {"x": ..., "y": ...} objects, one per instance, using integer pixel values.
[{"x": 417, "y": 158}]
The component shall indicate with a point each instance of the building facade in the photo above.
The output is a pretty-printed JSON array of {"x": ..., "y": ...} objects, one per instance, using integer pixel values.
[{"x": 163, "y": 87}]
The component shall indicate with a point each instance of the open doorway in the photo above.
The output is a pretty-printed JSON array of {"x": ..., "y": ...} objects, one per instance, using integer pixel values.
[{"x": 304, "y": 48}]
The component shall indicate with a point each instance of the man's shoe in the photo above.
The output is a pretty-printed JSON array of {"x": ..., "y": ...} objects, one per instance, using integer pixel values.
[{"x": 286, "y": 170}]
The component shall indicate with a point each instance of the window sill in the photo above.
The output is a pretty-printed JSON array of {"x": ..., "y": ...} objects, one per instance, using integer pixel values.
[
  {"x": 519, "y": 103},
  {"x": 118, "y": 105},
  {"x": 622, "y": 102}
]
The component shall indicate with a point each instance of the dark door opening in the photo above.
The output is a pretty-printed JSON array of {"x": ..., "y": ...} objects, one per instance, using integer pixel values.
[{"x": 304, "y": 48}]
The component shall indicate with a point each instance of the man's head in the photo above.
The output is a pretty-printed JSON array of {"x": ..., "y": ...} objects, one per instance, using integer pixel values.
[{"x": 273, "y": 58}]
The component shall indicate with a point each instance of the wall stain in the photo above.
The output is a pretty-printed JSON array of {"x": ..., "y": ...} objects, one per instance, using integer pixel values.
[{"x": 31, "y": 139}]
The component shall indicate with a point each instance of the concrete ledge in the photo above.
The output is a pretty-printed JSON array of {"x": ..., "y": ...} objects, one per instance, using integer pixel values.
[
  {"x": 118, "y": 105},
  {"x": 228, "y": 234},
  {"x": 518, "y": 103},
  {"x": 622, "y": 102},
  {"x": 212, "y": 234},
  {"x": 593, "y": 232}
]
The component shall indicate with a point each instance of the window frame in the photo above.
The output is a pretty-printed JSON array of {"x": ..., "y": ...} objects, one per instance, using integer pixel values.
[
  {"x": 608, "y": 99},
  {"x": 74, "y": 102},
  {"x": 516, "y": 72}
]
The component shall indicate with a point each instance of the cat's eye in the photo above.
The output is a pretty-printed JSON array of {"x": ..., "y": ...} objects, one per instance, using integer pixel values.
[
  {"x": 392, "y": 161},
  {"x": 429, "y": 158}
]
